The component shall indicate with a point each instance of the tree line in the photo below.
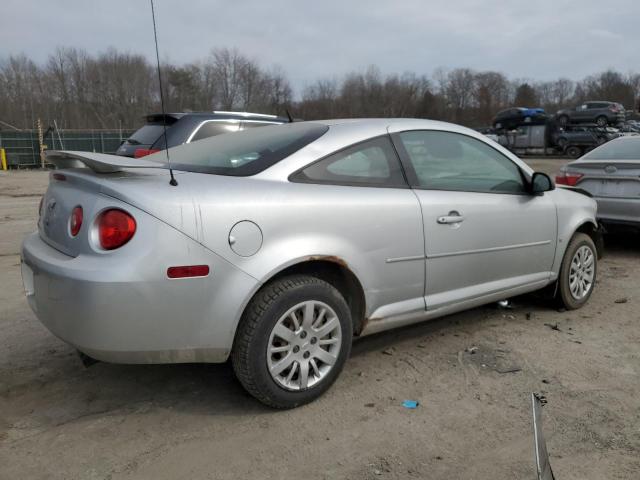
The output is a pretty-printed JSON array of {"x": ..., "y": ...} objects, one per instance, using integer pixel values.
[{"x": 114, "y": 89}]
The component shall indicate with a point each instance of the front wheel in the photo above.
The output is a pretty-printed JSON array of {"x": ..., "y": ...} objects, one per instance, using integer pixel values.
[
  {"x": 292, "y": 341},
  {"x": 602, "y": 121},
  {"x": 577, "y": 272}
]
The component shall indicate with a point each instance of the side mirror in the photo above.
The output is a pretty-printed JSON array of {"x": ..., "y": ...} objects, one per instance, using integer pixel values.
[{"x": 540, "y": 183}]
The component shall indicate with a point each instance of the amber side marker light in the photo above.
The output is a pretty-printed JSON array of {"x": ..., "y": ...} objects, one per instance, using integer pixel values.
[{"x": 187, "y": 271}]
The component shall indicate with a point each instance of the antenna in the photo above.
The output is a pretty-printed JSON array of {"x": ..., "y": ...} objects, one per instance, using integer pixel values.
[
  {"x": 289, "y": 115},
  {"x": 164, "y": 115}
]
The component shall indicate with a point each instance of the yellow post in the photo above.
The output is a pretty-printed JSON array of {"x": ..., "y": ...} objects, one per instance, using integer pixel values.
[{"x": 3, "y": 158}]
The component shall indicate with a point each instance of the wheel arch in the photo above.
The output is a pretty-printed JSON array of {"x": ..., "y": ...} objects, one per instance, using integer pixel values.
[
  {"x": 593, "y": 230},
  {"x": 335, "y": 271}
]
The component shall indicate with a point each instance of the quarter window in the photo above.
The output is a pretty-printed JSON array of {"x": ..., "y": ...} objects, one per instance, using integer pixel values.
[
  {"x": 451, "y": 161},
  {"x": 213, "y": 128},
  {"x": 371, "y": 163}
]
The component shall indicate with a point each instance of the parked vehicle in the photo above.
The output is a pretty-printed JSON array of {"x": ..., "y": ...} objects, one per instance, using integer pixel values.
[
  {"x": 514, "y": 117},
  {"x": 611, "y": 173},
  {"x": 574, "y": 141},
  {"x": 600, "y": 113},
  {"x": 189, "y": 127},
  {"x": 280, "y": 244}
]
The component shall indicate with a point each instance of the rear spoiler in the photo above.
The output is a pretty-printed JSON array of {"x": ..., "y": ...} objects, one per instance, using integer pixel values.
[{"x": 98, "y": 162}]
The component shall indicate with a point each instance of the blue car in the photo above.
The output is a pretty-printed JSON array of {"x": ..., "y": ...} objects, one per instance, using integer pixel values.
[{"x": 514, "y": 117}]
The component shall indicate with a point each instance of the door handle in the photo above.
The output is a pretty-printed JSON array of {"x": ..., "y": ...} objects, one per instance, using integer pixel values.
[{"x": 453, "y": 217}]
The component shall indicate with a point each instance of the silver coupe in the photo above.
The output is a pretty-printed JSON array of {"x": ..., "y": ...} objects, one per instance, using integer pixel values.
[{"x": 278, "y": 245}]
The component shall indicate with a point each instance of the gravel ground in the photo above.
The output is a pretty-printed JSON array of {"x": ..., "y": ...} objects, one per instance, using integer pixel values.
[{"x": 472, "y": 373}]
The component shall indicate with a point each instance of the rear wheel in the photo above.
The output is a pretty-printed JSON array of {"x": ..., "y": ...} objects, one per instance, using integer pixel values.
[
  {"x": 577, "y": 272},
  {"x": 293, "y": 341},
  {"x": 602, "y": 121}
]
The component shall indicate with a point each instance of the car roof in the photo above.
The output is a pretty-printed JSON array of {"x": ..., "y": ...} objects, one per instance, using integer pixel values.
[{"x": 349, "y": 131}]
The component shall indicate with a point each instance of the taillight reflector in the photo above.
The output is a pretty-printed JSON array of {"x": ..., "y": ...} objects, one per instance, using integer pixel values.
[
  {"x": 143, "y": 152},
  {"x": 115, "y": 228},
  {"x": 568, "y": 178},
  {"x": 60, "y": 177},
  {"x": 76, "y": 221},
  {"x": 185, "y": 271}
]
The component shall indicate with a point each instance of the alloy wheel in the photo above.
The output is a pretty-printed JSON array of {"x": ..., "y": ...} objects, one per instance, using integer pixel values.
[
  {"x": 581, "y": 272},
  {"x": 304, "y": 345}
]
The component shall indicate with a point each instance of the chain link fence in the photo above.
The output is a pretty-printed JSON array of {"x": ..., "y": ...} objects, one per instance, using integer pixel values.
[{"x": 23, "y": 150}]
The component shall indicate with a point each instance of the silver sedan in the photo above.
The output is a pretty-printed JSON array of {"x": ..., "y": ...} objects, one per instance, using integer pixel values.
[
  {"x": 611, "y": 173},
  {"x": 279, "y": 245}
]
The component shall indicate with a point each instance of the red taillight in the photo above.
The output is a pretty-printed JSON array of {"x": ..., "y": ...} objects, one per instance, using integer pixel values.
[
  {"x": 60, "y": 177},
  {"x": 185, "y": 271},
  {"x": 115, "y": 228},
  {"x": 76, "y": 221},
  {"x": 568, "y": 178},
  {"x": 143, "y": 152}
]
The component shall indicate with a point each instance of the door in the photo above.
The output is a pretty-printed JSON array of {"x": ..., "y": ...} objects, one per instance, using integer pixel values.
[
  {"x": 362, "y": 194},
  {"x": 582, "y": 112},
  {"x": 484, "y": 234}
]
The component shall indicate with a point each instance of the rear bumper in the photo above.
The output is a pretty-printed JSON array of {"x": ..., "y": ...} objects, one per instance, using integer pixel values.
[
  {"x": 123, "y": 312},
  {"x": 618, "y": 210}
]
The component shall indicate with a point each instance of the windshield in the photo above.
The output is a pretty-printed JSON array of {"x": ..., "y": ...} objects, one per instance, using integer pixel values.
[
  {"x": 620, "y": 149},
  {"x": 243, "y": 153}
]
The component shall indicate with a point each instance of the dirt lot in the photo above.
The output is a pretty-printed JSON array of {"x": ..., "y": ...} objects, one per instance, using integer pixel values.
[{"x": 60, "y": 420}]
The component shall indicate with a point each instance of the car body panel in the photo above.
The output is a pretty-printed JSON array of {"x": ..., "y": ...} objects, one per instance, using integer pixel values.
[
  {"x": 121, "y": 307},
  {"x": 522, "y": 254}
]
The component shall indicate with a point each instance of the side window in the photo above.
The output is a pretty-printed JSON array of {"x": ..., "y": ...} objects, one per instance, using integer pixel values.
[
  {"x": 372, "y": 163},
  {"x": 213, "y": 128},
  {"x": 452, "y": 161}
]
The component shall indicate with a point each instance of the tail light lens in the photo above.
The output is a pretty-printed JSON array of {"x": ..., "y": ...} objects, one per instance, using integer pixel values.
[
  {"x": 143, "y": 152},
  {"x": 40, "y": 206},
  {"x": 115, "y": 228},
  {"x": 568, "y": 178},
  {"x": 76, "y": 221}
]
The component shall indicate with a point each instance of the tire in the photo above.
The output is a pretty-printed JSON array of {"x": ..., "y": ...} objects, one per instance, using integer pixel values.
[
  {"x": 602, "y": 121},
  {"x": 573, "y": 151},
  {"x": 266, "y": 316},
  {"x": 565, "y": 296},
  {"x": 563, "y": 120}
]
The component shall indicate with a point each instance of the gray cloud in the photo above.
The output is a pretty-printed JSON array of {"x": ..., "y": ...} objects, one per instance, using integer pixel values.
[{"x": 538, "y": 40}]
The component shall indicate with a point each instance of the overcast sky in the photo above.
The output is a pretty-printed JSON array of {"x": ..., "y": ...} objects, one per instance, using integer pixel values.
[{"x": 534, "y": 39}]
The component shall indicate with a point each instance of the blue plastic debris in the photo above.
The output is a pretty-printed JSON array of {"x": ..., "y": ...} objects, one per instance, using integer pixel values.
[{"x": 410, "y": 404}]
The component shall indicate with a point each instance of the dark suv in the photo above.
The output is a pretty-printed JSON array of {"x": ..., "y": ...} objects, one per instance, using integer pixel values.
[
  {"x": 600, "y": 113},
  {"x": 189, "y": 127}
]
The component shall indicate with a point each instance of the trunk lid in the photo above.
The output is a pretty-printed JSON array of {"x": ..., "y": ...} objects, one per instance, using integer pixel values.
[{"x": 609, "y": 178}]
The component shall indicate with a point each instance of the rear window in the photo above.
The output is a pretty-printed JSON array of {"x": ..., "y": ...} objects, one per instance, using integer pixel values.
[
  {"x": 146, "y": 135},
  {"x": 244, "y": 153},
  {"x": 620, "y": 149}
]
